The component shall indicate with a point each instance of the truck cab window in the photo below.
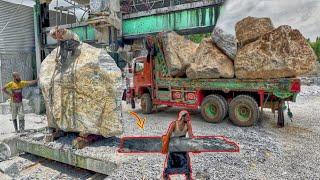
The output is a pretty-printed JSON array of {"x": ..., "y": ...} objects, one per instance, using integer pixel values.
[{"x": 138, "y": 67}]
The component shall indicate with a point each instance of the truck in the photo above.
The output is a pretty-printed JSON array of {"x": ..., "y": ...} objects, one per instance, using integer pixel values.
[{"x": 243, "y": 100}]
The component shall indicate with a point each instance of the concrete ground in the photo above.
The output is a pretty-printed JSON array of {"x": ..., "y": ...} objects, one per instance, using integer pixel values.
[
  {"x": 266, "y": 152},
  {"x": 27, "y": 166},
  {"x": 32, "y": 121}
]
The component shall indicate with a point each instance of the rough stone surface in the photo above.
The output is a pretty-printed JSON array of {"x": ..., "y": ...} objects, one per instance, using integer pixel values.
[
  {"x": 316, "y": 71},
  {"x": 35, "y": 167},
  {"x": 84, "y": 94},
  {"x": 250, "y": 29},
  {"x": 210, "y": 62},
  {"x": 226, "y": 42},
  {"x": 177, "y": 52},
  {"x": 38, "y": 136},
  {"x": 5, "y": 152},
  {"x": 36, "y": 101},
  {"x": 9, "y": 168},
  {"x": 200, "y": 144},
  {"x": 176, "y": 144},
  {"x": 283, "y": 52},
  {"x": 4, "y": 176}
]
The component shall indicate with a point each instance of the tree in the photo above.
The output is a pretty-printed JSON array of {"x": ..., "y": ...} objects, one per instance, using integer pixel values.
[
  {"x": 197, "y": 38},
  {"x": 316, "y": 47}
]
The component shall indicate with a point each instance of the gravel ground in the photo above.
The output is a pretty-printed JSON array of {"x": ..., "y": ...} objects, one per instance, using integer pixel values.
[
  {"x": 266, "y": 152},
  {"x": 311, "y": 90}
]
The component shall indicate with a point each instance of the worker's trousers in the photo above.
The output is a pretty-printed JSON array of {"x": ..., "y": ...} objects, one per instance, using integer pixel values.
[{"x": 17, "y": 110}]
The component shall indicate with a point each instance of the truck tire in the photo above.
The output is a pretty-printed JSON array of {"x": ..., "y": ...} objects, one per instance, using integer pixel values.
[
  {"x": 212, "y": 109},
  {"x": 146, "y": 103},
  {"x": 244, "y": 111},
  {"x": 133, "y": 104},
  {"x": 225, "y": 103}
]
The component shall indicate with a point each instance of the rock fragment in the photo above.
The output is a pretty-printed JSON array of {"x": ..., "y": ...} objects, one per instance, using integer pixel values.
[
  {"x": 177, "y": 51},
  {"x": 210, "y": 62},
  {"x": 250, "y": 29},
  {"x": 283, "y": 52},
  {"x": 226, "y": 42},
  {"x": 84, "y": 94}
]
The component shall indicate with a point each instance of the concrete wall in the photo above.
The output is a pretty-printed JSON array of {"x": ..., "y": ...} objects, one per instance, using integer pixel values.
[{"x": 23, "y": 63}]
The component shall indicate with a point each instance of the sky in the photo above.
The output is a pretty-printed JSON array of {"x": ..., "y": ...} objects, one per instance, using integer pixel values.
[
  {"x": 303, "y": 15},
  {"x": 52, "y": 5}
]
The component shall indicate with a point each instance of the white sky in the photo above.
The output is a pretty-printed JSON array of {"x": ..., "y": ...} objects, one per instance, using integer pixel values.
[
  {"x": 53, "y": 4},
  {"x": 303, "y": 15}
]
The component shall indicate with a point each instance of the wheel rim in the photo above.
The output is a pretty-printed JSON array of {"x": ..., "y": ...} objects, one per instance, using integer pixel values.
[
  {"x": 211, "y": 111},
  {"x": 243, "y": 112}
]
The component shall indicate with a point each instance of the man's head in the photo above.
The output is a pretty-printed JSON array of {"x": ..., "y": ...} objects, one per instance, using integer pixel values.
[
  {"x": 183, "y": 116},
  {"x": 16, "y": 77},
  {"x": 57, "y": 33}
]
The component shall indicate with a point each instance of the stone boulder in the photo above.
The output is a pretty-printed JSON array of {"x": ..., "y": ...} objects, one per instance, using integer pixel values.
[
  {"x": 283, "y": 52},
  {"x": 177, "y": 51},
  {"x": 226, "y": 42},
  {"x": 250, "y": 29},
  {"x": 210, "y": 62},
  {"x": 84, "y": 93}
]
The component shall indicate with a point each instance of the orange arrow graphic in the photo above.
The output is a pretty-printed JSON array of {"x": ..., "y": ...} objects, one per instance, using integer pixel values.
[{"x": 140, "y": 121}]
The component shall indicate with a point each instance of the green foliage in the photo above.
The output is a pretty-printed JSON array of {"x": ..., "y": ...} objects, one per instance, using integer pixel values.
[
  {"x": 197, "y": 38},
  {"x": 316, "y": 47}
]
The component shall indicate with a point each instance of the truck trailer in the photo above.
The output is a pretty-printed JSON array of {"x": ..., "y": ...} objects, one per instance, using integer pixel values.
[{"x": 240, "y": 99}]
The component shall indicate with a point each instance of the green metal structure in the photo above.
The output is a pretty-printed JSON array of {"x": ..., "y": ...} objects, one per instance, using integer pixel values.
[
  {"x": 190, "y": 21},
  {"x": 85, "y": 33},
  {"x": 200, "y": 19},
  {"x": 196, "y": 20}
]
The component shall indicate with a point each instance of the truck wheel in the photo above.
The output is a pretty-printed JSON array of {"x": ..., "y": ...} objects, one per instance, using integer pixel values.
[
  {"x": 146, "y": 103},
  {"x": 225, "y": 103},
  {"x": 244, "y": 111},
  {"x": 212, "y": 109}
]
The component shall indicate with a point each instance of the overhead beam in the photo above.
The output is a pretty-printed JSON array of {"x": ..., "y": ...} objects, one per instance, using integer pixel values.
[
  {"x": 199, "y": 4},
  {"x": 189, "y": 21}
]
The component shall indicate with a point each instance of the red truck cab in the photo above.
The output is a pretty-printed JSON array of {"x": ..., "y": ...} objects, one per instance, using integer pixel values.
[
  {"x": 142, "y": 70},
  {"x": 142, "y": 75}
]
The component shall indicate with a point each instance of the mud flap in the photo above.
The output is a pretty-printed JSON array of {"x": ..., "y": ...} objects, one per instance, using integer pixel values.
[{"x": 124, "y": 95}]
